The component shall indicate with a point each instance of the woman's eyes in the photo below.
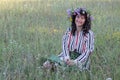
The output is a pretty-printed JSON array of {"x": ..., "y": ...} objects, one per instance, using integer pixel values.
[
  {"x": 82, "y": 17},
  {"x": 78, "y": 16}
]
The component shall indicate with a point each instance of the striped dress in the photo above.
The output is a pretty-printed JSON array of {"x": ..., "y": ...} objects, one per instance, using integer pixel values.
[{"x": 83, "y": 44}]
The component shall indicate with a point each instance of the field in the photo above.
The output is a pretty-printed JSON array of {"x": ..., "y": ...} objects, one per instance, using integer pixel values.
[{"x": 31, "y": 29}]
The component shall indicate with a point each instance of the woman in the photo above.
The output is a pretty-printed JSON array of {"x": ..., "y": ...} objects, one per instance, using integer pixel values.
[{"x": 78, "y": 41}]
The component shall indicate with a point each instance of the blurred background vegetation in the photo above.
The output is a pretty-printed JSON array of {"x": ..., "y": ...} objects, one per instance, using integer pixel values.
[{"x": 31, "y": 29}]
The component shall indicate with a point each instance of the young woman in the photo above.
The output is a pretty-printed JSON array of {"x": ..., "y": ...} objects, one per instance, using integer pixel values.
[{"x": 78, "y": 40}]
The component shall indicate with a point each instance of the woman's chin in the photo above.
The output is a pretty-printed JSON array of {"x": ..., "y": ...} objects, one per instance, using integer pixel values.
[{"x": 79, "y": 25}]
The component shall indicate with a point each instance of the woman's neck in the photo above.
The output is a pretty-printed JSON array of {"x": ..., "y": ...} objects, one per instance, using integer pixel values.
[{"x": 79, "y": 28}]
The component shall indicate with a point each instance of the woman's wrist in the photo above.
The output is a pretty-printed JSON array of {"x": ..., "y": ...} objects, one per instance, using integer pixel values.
[
  {"x": 76, "y": 62},
  {"x": 66, "y": 58}
]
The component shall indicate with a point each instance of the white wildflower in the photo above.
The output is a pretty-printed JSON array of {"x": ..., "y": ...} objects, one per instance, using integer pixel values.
[{"x": 109, "y": 79}]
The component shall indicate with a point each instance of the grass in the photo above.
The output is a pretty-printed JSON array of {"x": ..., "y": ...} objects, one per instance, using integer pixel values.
[{"x": 31, "y": 29}]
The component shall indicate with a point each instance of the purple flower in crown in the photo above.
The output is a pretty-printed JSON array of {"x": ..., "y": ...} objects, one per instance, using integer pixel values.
[
  {"x": 69, "y": 12},
  {"x": 91, "y": 18},
  {"x": 77, "y": 11}
]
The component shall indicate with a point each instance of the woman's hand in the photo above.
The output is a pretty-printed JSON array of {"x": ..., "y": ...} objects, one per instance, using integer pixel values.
[
  {"x": 47, "y": 65},
  {"x": 70, "y": 62}
]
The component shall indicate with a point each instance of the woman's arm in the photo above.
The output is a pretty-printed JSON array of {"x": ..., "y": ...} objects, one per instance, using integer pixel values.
[
  {"x": 88, "y": 48},
  {"x": 65, "y": 44}
]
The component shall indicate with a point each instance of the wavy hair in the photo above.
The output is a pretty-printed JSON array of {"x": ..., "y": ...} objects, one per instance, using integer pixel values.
[{"x": 86, "y": 26}]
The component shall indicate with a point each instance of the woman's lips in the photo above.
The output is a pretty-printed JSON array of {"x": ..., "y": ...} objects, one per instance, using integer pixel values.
[{"x": 79, "y": 22}]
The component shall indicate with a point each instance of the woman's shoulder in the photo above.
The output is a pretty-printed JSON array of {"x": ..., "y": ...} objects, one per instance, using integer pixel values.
[
  {"x": 69, "y": 29},
  {"x": 91, "y": 32}
]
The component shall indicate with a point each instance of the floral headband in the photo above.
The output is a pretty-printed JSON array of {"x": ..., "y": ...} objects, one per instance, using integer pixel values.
[{"x": 78, "y": 11}]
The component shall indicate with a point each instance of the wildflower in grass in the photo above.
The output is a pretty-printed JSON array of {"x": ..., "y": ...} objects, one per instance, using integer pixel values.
[
  {"x": 109, "y": 79},
  {"x": 31, "y": 29},
  {"x": 55, "y": 30},
  {"x": 116, "y": 35}
]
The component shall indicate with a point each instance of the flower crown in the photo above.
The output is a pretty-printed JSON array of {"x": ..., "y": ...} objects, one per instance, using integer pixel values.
[{"x": 78, "y": 11}]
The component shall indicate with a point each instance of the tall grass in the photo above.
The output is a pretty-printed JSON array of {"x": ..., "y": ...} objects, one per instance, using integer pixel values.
[{"x": 31, "y": 29}]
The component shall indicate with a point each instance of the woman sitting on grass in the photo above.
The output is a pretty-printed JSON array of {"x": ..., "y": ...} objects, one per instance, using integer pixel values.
[{"x": 78, "y": 41}]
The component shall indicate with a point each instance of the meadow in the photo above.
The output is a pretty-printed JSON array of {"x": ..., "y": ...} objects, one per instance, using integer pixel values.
[{"x": 31, "y": 29}]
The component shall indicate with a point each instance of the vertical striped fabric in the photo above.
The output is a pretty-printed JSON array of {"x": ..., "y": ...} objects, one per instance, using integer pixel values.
[{"x": 82, "y": 44}]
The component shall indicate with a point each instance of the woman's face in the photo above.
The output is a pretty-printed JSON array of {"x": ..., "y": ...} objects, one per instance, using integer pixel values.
[{"x": 79, "y": 20}]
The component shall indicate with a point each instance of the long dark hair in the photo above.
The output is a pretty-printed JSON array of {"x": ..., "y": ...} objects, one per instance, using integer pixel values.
[{"x": 86, "y": 26}]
